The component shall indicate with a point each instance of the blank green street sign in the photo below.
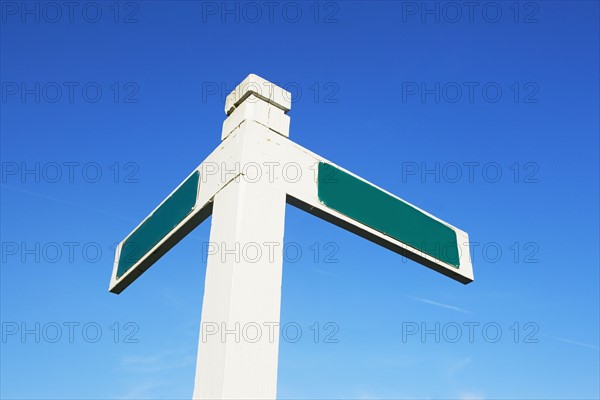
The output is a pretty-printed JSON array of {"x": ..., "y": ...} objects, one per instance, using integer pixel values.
[
  {"x": 158, "y": 224},
  {"x": 387, "y": 214}
]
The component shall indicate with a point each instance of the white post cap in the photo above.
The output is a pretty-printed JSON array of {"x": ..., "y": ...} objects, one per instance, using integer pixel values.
[{"x": 261, "y": 88}]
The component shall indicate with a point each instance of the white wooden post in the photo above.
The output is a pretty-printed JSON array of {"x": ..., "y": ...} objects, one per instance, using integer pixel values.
[{"x": 239, "y": 332}]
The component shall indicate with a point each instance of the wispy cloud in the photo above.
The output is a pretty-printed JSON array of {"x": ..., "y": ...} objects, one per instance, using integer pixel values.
[
  {"x": 159, "y": 362},
  {"x": 324, "y": 272},
  {"x": 69, "y": 203},
  {"x": 576, "y": 343},
  {"x": 145, "y": 389},
  {"x": 152, "y": 373},
  {"x": 459, "y": 365},
  {"x": 437, "y": 304},
  {"x": 471, "y": 396}
]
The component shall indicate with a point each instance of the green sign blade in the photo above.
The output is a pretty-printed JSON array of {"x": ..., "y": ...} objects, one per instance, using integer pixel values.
[
  {"x": 159, "y": 224},
  {"x": 387, "y": 214}
]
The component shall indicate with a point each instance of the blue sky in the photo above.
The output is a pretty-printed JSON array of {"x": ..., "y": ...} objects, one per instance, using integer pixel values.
[{"x": 486, "y": 117}]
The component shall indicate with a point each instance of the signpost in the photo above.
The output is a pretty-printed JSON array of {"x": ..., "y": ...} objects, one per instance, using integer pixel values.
[{"x": 245, "y": 183}]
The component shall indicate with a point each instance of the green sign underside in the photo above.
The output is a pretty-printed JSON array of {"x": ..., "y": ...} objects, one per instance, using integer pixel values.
[
  {"x": 378, "y": 210},
  {"x": 158, "y": 225}
]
